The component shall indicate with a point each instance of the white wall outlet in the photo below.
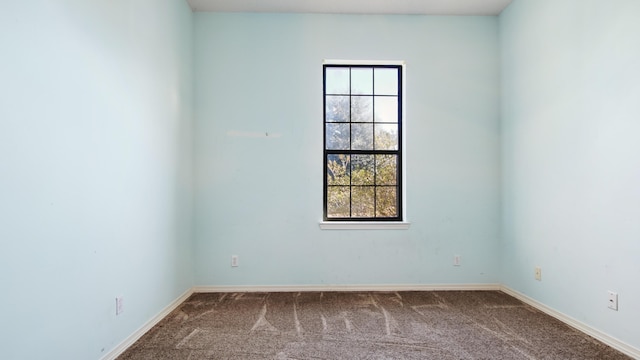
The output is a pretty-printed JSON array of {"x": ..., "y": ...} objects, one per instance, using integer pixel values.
[
  {"x": 538, "y": 273},
  {"x": 613, "y": 301},
  {"x": 234, "y": 260},
  {"x": 456, "y": 260},
  {"x": 119, "y": 305}
]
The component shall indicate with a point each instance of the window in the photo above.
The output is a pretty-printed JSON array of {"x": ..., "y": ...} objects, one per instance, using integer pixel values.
[{"x": 362, "y": 142}]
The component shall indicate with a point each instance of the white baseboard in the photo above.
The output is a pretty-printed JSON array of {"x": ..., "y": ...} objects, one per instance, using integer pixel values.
[
  {"x": 306, "y": 288},
  {"x": 605, "y": 338},
  {"x": 124, "y": 345}
]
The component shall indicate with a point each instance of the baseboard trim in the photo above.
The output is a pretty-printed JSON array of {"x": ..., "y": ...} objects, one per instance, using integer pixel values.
[
  {"x": 126, "y": 343},
  {"x": 597, "y": 334},
  {"x": 307, "y": 288}
]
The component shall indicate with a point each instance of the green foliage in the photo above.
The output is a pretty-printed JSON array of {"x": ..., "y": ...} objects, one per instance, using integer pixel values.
[
  {"x": 386, "y": 201},
  {"x": 362, "y": 170},
  {"x": 338, "y": 201},
  {"x": 386, "y": 169},
  {"x": 338, "y": 169},
  {"x": 361, "y": 185},
  {"x": 362, "y": 201}
]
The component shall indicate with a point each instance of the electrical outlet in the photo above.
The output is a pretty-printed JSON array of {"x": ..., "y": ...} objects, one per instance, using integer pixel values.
[
  {"x": 119, "y": 305},
  {"x": 456, "y": 260},
  {"x": 234, "y": 260},
  {"x": 613, "y": 301},
  {"x": 538, "y": 273}
]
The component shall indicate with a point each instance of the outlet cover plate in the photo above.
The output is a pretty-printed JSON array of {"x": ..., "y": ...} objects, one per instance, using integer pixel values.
[
  {"x": 538, "y": 273},
  {"x": 613, "y": 301},
  {"x": 119, "y": 305}
]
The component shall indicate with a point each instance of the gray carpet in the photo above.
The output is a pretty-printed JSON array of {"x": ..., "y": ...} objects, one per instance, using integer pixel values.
[{"x": 363, "y": 325}]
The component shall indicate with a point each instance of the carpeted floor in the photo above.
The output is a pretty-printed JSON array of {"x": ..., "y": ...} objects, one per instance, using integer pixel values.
[{"x": 363, "y": 325}]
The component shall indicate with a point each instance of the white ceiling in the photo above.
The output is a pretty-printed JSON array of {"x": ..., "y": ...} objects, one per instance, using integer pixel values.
[{"x": 425, "y": 7}]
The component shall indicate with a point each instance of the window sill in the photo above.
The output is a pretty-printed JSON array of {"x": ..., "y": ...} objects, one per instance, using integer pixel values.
[{"x": 365, "y": 225}]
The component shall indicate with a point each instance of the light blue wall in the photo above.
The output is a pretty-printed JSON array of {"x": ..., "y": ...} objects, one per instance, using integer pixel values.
[
  {"x": 260, "y": 197},
  {"x": 570, "y": 125},
  {"x": 95, "y": 171}
]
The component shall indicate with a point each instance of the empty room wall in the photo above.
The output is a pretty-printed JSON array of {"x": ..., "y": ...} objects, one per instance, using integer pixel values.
[
  {"x": 260, "y": 197},
  {"x": 570, "y": 111},
  {"x": 95, "y": 171}
]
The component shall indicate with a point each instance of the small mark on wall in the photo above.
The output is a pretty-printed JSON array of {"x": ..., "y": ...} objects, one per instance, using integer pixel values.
[{"x": 253, "y": 134}]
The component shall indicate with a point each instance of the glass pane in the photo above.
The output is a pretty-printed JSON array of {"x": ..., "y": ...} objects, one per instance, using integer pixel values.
[
  {"x": 386, "y": 137},
  {"x": 362, "y": 201},
  {"x": 362, "y": 138},
  {"x": 337, "y": 109},
  {"x": 362, "y": 81},
  {"x": 362, "y": 108},
  {"x": 338, "y": 201},
  {"x": 386, "y": 109},
  {"x": 362, "y": 170},
  {"x": 386, "y": 169},
  {"x": 386, "y": 201},
  {"x": 338, "y": 169},
  {"x": 386, "y": 81},
  {"x": 337, "y": 80},
  {"x": 338, "y": 136}
]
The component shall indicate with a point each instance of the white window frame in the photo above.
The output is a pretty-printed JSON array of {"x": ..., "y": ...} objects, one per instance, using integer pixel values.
[{"x": 379, "y": 225}]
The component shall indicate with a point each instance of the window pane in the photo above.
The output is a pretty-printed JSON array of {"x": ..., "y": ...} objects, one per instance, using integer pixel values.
[
  {"x": 386, "y": 201},
  {"x": 337, "y": 80},
  {"x": 337, "y": 109},
  {"x": 338, "y": 136},
  {"x": 338, "y": 169},
  {"x": 362, "y": 81},
  {"x": 362, "y": 169},
  {"x": 362, "y": 142},
  {"x": 338, "y": 201},
  {"x": 362, "y": 108},
  {"x": 386, "y": 169},
  {"x": 386, "y": 82},
  {"x": 386, "y": 109},
  {"x": 362, "y": 201},
  {"x": 386, "y": 137},
  {"x": 362, "y": 138}
]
